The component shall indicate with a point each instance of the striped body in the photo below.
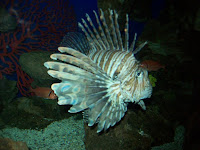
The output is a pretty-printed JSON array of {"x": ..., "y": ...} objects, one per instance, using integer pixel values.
[
  {"x": 122, "y": 66},
  {"x": 105, "y": 79}
]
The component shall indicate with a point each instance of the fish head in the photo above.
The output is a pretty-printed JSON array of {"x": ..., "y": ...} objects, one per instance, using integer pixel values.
[
  {"x": 138, "y": 86},
  {"x": 52, "y": 95},
  {"x": 144, "y": 88}
]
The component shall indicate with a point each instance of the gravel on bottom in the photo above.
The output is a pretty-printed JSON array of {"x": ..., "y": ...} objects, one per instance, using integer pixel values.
[{"x": 59, "y": 135}]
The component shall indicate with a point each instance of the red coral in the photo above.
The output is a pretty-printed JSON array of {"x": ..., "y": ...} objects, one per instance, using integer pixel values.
[{"x": 41, "y": 26}]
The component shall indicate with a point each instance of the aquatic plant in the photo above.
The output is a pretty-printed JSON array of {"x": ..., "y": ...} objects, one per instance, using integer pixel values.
[{"x": 153, "y": 80}]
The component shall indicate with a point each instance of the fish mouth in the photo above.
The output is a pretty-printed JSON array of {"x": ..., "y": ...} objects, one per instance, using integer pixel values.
[{"x": 146, "y": 95}]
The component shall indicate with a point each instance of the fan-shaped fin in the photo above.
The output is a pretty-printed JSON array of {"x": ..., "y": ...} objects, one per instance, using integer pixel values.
[
  {"x": 86, "y": 65},
  {"x": 77, "y": 41},
  {"x": 111, "y": 114},
  {"x": 88, "y": 101},
  {"x": 96, "y": 111},
  {"x": 85, "y": 86}
]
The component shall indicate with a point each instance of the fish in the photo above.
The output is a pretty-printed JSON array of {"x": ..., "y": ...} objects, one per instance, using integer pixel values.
[
  {"x": 151, "y": 65},
  {"x": 100, "y": 80},
  {"x": 43, "y": 92}
]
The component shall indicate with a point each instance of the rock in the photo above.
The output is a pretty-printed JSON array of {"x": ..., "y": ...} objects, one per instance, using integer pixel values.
[
  {"x": 122, "y": 136},
  {"x": 8, "y": 91},
  {"x": 9, "y": 144},
  {"x": 26, "y": 104},
  {"x": 8, "y": 22},
  {"x": 138, "y": 130},
  {"x": 33, "y": 64}
]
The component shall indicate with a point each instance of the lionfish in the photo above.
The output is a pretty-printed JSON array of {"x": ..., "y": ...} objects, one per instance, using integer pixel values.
[{"x": 102, "y": 81}]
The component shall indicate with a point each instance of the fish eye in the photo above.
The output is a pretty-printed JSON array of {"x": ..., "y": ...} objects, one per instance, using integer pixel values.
[{"x": 138, "y": 73}]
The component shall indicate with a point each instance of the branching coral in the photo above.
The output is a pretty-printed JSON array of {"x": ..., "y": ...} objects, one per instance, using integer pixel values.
[{"x": 40, "y": 26}]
